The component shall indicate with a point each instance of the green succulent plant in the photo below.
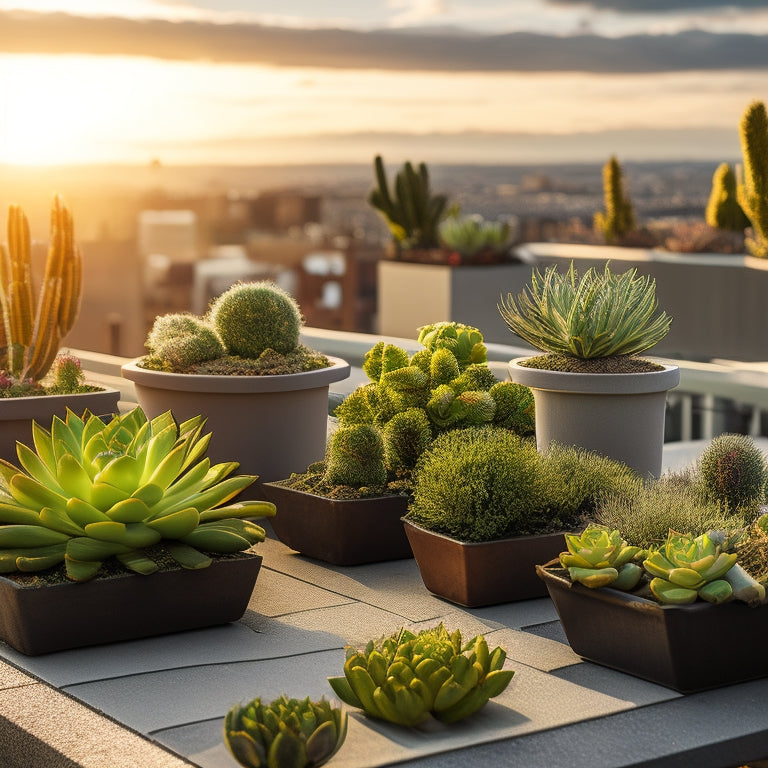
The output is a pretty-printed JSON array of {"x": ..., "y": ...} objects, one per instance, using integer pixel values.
[
  {"x": 91, "y": 490},
  {"x": 465, "y": 341},
  {"x": 181, "y": 340},
  {"x": 597, "y": 316},
  {"x": 686, "y": 568},
  {"x": 471, "y": 234},
  {"x": 355, "y": 457},
  {"x": 599, "y": 557},
  {"x": 406, "y": 677},
  {"x": 287, "y": 733}
]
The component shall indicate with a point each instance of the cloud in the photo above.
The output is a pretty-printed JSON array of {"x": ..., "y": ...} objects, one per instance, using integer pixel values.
[
  {"x": 58, "y": 33},
  {"x": 657, "y": 6}
]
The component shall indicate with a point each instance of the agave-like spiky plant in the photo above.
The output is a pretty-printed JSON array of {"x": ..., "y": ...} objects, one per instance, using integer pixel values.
[
  {"x": 599, "y": 315},
  {"x": 91, "y": 490}
]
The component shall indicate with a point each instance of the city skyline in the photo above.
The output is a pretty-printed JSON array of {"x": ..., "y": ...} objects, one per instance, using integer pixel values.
[{"x": 194, "y": 82}]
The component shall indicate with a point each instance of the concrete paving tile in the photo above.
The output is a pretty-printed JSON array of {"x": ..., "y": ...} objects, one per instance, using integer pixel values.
[
  {"x": 517, "y": 615},
  {"x": 11, "y": 677},
  {"x": 457, "y": 618},
  {"x": 552, "y": 630},
  {"x": 267, "y": 638},
  {"x": 89, "y": 739},
  {"x": 277, "y": 594},
  {"x": 534, "y": 701},
  {"x": 532, "y": 650}
]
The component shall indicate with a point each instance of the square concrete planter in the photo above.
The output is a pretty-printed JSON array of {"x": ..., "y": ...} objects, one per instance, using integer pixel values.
[
  {"x": 481, "y": 573},
  {"x": 42, "y": 619},
  {"x": 685, "y": 647},
  {"x": 18, "y": 413},
  {"x": 340, "y": 531}
]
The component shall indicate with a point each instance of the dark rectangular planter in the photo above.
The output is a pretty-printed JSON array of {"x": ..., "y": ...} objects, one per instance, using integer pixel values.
[
  {"x": 340, "y": 531},
  {"x": 42, "y": 619},
  {"x": 482, "y": 573},
  {"x": 685, "y": 647}
]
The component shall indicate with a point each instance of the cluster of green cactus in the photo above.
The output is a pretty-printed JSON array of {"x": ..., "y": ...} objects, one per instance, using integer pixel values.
[
  {"x": 250, "y": 328},
  {"x": 686, "y": 568},
  {"x": 91, "y": 490},
  {"x": 411, "y": 211},
  {"x": 356, "y": 457},
  {"x": 406, "y": 677},
  {"x": 723, "y": 210},
  {"x": 469, "y": 235},
  {"x": 599, "y": 315},
  {"x": 287, "y": 733},
  {"x": 599, "y": 557},
  {"x": 618, "y": 218},
  {"x": 753, "y": 191},
  {"x": 30, "y": 333},
  {"x": 443, "y": 386},
  {"x": 734, "y": 472}
]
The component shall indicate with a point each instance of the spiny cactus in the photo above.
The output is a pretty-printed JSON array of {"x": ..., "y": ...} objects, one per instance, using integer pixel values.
[
  {"x": 31, "y": 331},
  {"x": 723, "y": 209},
  {"x": 753, "y": 191},
  {"x": 181, "y": 340},
  {"x": 287, "y": 733},
  {"x": 734, "y": 471},
  {"x": 91, "y": 490},
  {"x": 356, "y": 457},
  {"x": 599, "y": 557},
  {"x": 406, "y": 436},
  {"x": 253, "y": 317},
  {"x": 618, "y": 218},
  {"x": 406, "y": 677},
  {"x": 686, "y": 568},
  {"x": 411, "y": 211}
]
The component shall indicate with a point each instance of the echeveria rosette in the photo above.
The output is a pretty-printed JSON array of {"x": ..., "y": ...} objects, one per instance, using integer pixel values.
[
  {"x": 288, "y": 733},
  {"x": 92, "y": 489},
  {"x": 406, "y": 678},
  {"x": 686, "y": 568},
  {"x": 599, "y": 557}
]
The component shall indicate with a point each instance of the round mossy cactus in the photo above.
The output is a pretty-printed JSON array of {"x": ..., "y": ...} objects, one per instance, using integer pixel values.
[
  {"x": 406, "y": 436},
  {"x": 734, "y": 471},
  {"x": 253, "y": 317},
  {"x": 356, "y": 457},
  {"x": 181, "y": 340}
]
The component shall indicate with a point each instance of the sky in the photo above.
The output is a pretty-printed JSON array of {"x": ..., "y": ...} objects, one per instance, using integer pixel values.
[{"x": 238, "y": 82}]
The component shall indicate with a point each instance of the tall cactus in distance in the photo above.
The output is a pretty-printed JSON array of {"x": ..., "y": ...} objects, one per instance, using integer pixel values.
[
  {"x": 723, "y": 209},
  {"x": 619, "y": 218},
  {"x": 411, "y": 211},
  {"x": 753, "y": 189},
  {"x": 30, "y": 333}
]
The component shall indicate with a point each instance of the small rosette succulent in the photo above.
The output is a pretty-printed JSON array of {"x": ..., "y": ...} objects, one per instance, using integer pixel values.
[
  {"x": 288, "y": 733},
  {"x": 686, "y": 568},
  {"x": 599, "y": 557},
  {"x": 91, "y": 490},
  {"x": 406, "y": 677}
]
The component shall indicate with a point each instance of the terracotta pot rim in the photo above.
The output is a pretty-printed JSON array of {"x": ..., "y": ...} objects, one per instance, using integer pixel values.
[
  {"x": 276, "y": 484},
  {"x": 191, "y": 382},
  {"x": 418, "y": 527}
]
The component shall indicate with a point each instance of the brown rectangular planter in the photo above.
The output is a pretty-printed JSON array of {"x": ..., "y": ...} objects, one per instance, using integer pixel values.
[
  {"x": 340, "y": 531},
  {"x": 685, "y": 647},
  {"x": 42, "y": 619},
  {"x": 481, "y": 573}
]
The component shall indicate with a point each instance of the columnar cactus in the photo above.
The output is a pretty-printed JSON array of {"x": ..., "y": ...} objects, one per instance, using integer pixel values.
[
  {"x": 723, "y": 209},
  {"x": 31, "y": 332},
  {"x": 411, "y": 211},
  {"x": 753, "y": 191},
  {"x": 406, "y": 677},
  {"x": 687, "y": 568},
  {"x": 288, "y": 733},
  {"x": 601, "y": 558},
  {"x": 618, "y": 218},
  {"x": 92, "y": 490}
]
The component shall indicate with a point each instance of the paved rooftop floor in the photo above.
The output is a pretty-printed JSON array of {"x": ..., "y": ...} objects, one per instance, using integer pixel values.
[{"x": 160, "y": 702}]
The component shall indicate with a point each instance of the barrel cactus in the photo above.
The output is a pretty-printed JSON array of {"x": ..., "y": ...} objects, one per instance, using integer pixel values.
[
  {"x": 253, "y": 317},
  {"x": 288, "y": 733},
  {"x": 94, "y": 489},
  {"x": 183, "y": 339},
  {"x": 599, "y": 557},
  {"x": 686, "y": 568},
  {"x": 356, "y": 457},
  {"x": 407, "y": 677}
]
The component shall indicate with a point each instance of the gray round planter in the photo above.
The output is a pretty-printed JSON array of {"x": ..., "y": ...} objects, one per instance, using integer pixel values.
[
  {"x": 620, "y": 415},
  {"x": 272, "y": 425}
]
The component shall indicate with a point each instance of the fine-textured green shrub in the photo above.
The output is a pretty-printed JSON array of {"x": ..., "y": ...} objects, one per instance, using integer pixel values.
[
  {"x": 253, "y": 317},
  {"x": 734, "y": 472}
]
